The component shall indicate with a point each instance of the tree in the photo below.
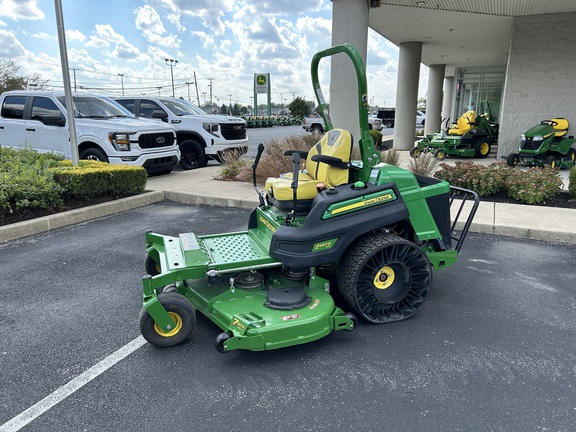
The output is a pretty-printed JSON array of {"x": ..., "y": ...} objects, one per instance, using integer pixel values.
[
  {"x": 299, "y": 107},
  {"x": 10, "y": 81}
]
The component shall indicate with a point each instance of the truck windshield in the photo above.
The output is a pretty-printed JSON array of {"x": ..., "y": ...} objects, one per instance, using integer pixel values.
[
  {"x": 96, "y": 107},
  {"x": 181, "y": 107}
]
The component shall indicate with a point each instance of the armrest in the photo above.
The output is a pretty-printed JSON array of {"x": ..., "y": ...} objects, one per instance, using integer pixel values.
[{"x": 331, "y": 160}]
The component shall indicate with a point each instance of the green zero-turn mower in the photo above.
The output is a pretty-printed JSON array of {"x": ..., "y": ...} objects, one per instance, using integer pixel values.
[
  {"x": 472, "y": 136},
  {"x": 546, "y": 144},
  {"x": 379, "y": 227}
]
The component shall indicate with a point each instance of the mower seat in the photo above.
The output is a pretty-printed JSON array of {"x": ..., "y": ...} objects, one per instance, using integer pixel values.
[
  {"x": 561, "y": 128},
  {"x": 336, "y": 143},
  {"x": 464, "y": 123}
]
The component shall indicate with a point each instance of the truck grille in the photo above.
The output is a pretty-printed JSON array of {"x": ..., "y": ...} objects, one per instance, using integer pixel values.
[
  {"x": 233, "y": 131},
  {"x": 530, "y": 145},
  {"x": 155, "y": 140}
]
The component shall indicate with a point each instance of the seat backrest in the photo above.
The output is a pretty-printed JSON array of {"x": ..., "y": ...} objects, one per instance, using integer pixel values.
[
  {"x": 336, "y": 143},
  {"x": 561, "y": 128},
  {"x": 464, "y": 123}
]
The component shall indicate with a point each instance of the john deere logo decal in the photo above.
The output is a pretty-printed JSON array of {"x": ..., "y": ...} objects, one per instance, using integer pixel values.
[
  {"x": 324, "y": 245},
  {"x": 261, "y": 80}
]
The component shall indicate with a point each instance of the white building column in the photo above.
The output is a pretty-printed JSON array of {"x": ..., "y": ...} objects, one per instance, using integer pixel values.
[
  {"x": 349, "y": 25},
  {"x": 448, "y": 99},
  {"x": 407, "y": 95},
  {"x": 434, "y": 98}
]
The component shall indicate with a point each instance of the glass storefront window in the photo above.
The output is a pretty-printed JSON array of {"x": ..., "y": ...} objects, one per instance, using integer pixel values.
[{"x": 475, "y": 86}]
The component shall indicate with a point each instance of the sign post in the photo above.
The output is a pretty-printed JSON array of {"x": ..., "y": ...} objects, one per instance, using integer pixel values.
[{"x": 262, "y": 85}]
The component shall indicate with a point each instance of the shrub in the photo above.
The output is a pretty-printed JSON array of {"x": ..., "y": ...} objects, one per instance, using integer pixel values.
[
  {"x": 91, "y": 179},
  {"x": 484, "y": 179},
  {"x": 231, "y": 166},
  {"x": 376, "y": 137},
  {"x": 391, "y": 157},
  {"x": 572, "y": 182},
  {"x": 425, "y": 164},
  {"x": 534, "y": 185},
  {"x": 26, "y": 181},
  {"x": 273, "y": 162}
]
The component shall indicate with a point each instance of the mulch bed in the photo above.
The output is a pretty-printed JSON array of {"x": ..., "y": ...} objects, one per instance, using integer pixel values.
[
  {"x": 70, "y": 204},
  {"x": 561, "y": 200}
]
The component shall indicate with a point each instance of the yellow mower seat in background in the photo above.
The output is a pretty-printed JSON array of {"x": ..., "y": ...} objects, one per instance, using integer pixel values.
[
  {"x": 464, "y": 123},
  {"x": 336, "y": 143},
  {"x": 561, "y": 128}
]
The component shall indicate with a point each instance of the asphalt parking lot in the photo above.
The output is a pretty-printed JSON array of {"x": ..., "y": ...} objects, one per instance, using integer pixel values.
[{"x": 492, "y": 349}]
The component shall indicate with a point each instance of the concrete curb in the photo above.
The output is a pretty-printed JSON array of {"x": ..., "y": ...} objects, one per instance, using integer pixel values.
[
  {"x": 513, "y": 220},
  {"x": 47, "y": 223}
]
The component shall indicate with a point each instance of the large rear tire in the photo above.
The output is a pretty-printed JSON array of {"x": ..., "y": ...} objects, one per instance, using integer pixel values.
[
  {"x": 385, "y": 278},
  {"x": 481, "y": 147}
]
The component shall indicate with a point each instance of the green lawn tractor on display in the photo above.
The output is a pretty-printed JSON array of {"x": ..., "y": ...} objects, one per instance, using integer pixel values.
[
  {"x": 376, "y": 230},
  {"x": 546, "y": 144},
  {"x": 472, "y": 135}
]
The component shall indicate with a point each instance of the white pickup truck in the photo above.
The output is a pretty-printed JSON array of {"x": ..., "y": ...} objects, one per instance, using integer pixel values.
[
  {"x": 316, "y": 124},
  {"x": 105, "y": 131},
  {"x": 200, "y": 136}
]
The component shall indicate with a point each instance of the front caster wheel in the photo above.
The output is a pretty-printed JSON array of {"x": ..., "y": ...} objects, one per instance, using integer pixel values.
[
  {"x": 439, "y": 154},
  {"x": 180, "y": 310},
  {"x": 354, "y": 320},
  {"x": 151, "y": 267},
  {"x": 385, "y": 278},
  {"x": 414, "y": 152},
  {"x": 220, "y": 342}
]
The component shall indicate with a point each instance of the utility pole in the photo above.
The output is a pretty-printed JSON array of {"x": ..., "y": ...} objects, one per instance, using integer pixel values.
[
  {"x": 188, "y": 84},
  {"x": 122, "y": 79},
  {"x": 158, "y": 90},
  {"x": 196, "y": 84},
  {"x": 74, "y": 72},
  {"x": 171, "y": 63},
  {"x": 204, "y": 93},
  {"x": 230, "y": 96},
  {"x": 210, "y": 85}
]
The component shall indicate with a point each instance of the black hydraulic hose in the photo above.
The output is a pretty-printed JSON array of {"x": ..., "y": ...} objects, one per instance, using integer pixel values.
[{"x": 254, "y": 165}]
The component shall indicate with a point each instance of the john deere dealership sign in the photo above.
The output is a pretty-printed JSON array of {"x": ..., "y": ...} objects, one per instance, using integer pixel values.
[
  {"x": 261, "y": 82},
  {"x": 261, "y": 85}
]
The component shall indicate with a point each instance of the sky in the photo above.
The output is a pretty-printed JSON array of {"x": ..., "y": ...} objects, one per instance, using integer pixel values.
[{"x": 221, "y": 43}]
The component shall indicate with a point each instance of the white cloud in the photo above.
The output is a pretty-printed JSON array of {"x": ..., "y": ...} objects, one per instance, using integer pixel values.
[
  {"x": 42, "y": 35},
  {"x": 148, "y": 21},
  {"x": 106, "y": 37},
  {"x": 10, "y": 46},
  {"x": 21, "y": 10},
  {"x": 75, "y": 35}
]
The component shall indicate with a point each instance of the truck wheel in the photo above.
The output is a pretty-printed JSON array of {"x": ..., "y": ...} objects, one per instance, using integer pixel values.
[
  {"x": 385, "y": 278},
  {"x": 183, "y": 314},
  {"x": 512, "y": 159},
  {"x": 94, "y": 154},
  {"x": 481, "y": 147},
  {"x": 389, "y": 124},
  {"x": 192, "y": 155},
  {"x": 316, "y": 129}
]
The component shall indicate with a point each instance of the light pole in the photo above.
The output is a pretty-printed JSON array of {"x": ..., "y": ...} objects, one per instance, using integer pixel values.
[
  {"x": 122, "y": 79},
  {"x": 188, "y": 84},
  {"x": 230, "y": 96},
  {"x": 204, "y": 93},
  {"x": 171, "y": 63},
  {"x": 159, "y": 88},
  {"x": 281, "y": 101}
]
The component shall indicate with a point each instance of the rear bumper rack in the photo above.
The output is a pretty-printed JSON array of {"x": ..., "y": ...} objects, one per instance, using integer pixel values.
[{"x": 461, "y": 198}]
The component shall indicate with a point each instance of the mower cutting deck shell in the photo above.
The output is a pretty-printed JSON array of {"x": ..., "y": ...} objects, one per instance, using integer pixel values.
[{"x": 380, "y": 228}]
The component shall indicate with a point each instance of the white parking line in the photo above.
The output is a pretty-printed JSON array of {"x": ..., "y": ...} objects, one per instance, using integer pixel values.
[{"x": 69, "y": 388}]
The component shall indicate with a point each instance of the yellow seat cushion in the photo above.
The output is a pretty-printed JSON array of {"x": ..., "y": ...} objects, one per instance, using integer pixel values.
[
  {"x": 336, "y": 143},
  {"x": 561, "y": 128},
  {"x": 464, "y": 123}
]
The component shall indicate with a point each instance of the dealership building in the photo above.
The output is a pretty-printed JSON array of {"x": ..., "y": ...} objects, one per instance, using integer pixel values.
[{"x": 519, "y": 55}]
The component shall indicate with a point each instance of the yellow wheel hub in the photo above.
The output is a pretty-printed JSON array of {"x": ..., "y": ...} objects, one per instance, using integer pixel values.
[
  {"x": 384, "y": 278},
  {"x": 484, "y": 148},
  {"x": 175, "y": 330}
]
